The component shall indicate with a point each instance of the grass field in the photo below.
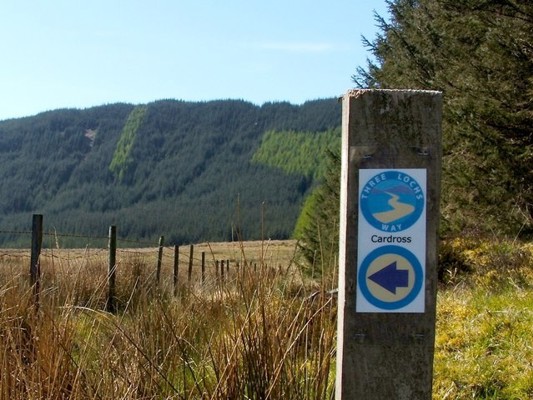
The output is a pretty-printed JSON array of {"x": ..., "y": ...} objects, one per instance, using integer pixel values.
[{"x": 266, "y": 332}]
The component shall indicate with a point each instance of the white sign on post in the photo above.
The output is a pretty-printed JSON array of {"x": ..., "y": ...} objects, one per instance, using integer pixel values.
[{"x": 391, "y": 241}]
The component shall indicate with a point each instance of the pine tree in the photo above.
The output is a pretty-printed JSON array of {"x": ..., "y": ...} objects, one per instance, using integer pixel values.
[
  {"x": 318, "y": 228},
  {"x": 479, "y": 53}
]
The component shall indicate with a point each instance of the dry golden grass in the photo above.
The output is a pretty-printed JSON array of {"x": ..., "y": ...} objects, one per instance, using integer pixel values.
[
  {"x": 257, "y": 334},
  {"x": 254, "y": 335}
]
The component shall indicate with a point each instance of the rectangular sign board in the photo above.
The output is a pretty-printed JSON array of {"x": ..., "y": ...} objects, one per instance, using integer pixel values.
[{"x": 391, "y": 252}]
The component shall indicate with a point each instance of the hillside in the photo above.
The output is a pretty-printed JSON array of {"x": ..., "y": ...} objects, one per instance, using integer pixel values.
[{"x": 185, "y": 170}]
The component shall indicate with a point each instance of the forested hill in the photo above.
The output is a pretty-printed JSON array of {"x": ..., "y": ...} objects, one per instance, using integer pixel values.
[{"x": 191, "y": 171}]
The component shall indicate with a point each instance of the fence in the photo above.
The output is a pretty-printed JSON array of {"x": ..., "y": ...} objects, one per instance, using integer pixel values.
[{"x": 221, "y": 266}]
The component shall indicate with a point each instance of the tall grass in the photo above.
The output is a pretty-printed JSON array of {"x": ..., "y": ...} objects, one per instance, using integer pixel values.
[
  {"x": 257, "y": 336},
  {"x": 264, "y": 333}
]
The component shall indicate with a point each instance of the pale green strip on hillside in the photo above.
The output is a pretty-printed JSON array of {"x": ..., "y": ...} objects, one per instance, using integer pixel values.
[
  {"x": 304, "y": 219},
  {"x": 302, "y": 153},
  {"x": 122, "y": 157}
]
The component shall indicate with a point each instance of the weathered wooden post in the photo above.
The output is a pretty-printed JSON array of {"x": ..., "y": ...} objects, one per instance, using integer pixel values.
[
  {"x": 191, "y": 254},
  {"x": 112, "y": 268},
  {"x": 176, "y": 268},
  {"x": 390, "y": 183},
  {"x": 203, "y": 267},
  {"x": 35, "y": 263},
  {"x": 159, "y": 260}
]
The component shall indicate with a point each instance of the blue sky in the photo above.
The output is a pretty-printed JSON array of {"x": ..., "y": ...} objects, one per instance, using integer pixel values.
[{"x": 73, "y": 53}]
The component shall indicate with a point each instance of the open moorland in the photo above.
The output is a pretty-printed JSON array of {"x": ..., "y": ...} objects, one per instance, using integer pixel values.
[{"x": 263, "y": 330}]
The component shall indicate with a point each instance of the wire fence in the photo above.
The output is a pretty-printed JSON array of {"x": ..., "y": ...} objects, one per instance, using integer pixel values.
[
  {"x": 142, "y": 247},
  {"x": 183, "y": 264}
]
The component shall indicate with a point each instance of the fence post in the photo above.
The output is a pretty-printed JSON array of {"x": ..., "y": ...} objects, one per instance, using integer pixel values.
[
  {"x": 389, "y": 213},
  {"x": 222, "y": 270},
  {"x": 203, "y": 267},
  {"x": 35, "y": 264},
  {"x": 110, "y": 306},
  {"x": 216, "y": 269},
  {"x": 176, "y": 268},
  {"x": 191, "y": 254},
  {"x": 159, "y": 260}
]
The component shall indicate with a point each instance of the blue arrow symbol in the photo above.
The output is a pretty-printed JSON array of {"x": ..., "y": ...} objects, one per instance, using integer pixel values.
[{"x": 391, "y": 278}]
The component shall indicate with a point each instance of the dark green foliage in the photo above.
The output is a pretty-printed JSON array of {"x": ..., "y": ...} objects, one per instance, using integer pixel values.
[
  {"x": 479, "y": 53},
  {"x": 185, "y": 171}
]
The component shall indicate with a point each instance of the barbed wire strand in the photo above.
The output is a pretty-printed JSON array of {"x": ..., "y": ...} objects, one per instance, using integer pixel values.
[{"x": 184, "y": 255}]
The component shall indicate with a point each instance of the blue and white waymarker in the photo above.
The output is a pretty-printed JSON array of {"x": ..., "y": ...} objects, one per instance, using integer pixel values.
[
  {"x": 391, "y": 240},
  {"x": 392, "y": 201}
]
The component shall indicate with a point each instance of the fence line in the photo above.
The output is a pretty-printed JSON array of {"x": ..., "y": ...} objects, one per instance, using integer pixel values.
[
  {"x": 82, "y": 236},
  {"x": 15, "y": 232},
  {"x": 179, "y": 255},
  {"x": 76, "y": 235}
]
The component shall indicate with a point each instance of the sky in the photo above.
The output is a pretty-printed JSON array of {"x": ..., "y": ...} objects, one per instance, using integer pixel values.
[{"x": 78, "y": 54}]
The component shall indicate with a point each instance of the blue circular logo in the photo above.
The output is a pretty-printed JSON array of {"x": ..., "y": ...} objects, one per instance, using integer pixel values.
[
  {"x": 392, "y": 201},
  {"x": 390, "y": 277}
]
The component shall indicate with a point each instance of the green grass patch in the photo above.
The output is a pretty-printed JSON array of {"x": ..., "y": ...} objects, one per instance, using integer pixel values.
[
  {"x": 483, "y": 346},
  {"x": 484, "y": 320}
]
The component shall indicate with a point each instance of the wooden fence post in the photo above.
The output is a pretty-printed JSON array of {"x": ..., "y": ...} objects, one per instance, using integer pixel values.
[
  {"x": 203, "y": 267},
  {"x": 390, "y": 187},
  {"x": 222, "y": 270},
  {"x": 191, "y": 254},
  {"x": 176, "y": 268},
  {"x": 216, "y": 269},
  {"x": 111, "y": 306},
  {"x": 35, "y": 263},
  {"x": 159, "y": 260}
]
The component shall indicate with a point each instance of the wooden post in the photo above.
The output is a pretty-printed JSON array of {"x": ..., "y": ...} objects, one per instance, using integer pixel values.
[
  {"x": 203, "y": 267},
  {"x": 390, "y": 188},
  {"x": 191, "y": 254},
  {"x": 222, "y": 270},
  {"x": 35, "y": 263},
  {"x": 159, "y": 260},
  {"x": 176, "y": 268},
  {"x": 110, "y": 306},
  {"x": 216, "y": 269}
]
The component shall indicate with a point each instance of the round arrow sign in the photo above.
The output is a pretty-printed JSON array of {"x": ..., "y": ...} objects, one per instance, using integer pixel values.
[{"x": 390, "y": 277}]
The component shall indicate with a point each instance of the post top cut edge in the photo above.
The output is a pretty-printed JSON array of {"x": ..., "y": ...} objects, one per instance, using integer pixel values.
[{"x": 359, "y": 92}]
